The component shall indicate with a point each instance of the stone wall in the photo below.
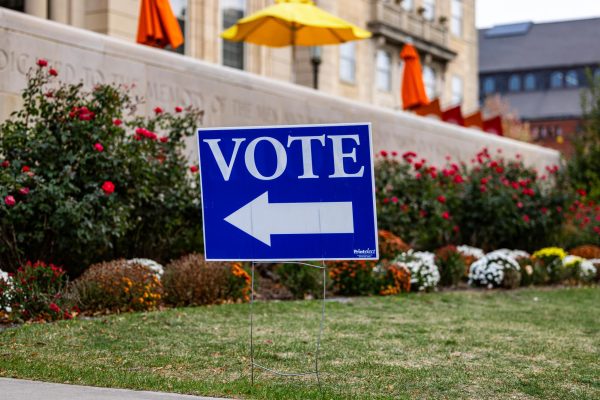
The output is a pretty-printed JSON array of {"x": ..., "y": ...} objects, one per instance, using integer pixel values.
[{"x": 229, "y": 97}]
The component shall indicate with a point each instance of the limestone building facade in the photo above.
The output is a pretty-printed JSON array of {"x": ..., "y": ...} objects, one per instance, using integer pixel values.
[{"x": 443, "y": 31}]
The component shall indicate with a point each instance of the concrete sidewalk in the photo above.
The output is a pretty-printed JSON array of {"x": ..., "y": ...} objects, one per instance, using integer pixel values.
[{"x": 18, "y": 389}]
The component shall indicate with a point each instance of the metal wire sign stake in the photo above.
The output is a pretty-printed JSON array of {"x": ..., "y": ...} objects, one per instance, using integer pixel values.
[
  {"x": 254, "y": 364},
  {"x": 294, "y": 193}
]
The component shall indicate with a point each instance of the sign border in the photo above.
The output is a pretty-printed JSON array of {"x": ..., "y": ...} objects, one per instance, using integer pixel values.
[{"x": 225, "y": 128}]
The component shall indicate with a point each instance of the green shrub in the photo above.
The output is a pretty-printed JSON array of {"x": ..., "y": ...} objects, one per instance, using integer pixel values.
[
  {"x": 34, "y": 292},
  {"x": 116, "y": 286},
  {"x": 191, "y": 280},
  {"x": 584, "y": 164},
  {"x": 451, "y": 264},
  {"x": 83, "y": 180},
  {"x": 301, "y": 280}
]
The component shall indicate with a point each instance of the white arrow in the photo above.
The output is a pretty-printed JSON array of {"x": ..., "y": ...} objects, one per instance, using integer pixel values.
[{"x": 261, "y": 219}]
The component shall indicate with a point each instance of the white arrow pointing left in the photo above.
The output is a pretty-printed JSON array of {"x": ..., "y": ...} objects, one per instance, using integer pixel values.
[{"x": 261, "y": 219}]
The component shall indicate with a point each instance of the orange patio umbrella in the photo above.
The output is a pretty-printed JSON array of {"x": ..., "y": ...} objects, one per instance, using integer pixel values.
[
  {"x": 157, "y": 25},
  {"x": 413, "y": 89}
]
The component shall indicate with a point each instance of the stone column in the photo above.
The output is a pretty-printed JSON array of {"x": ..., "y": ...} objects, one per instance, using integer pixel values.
[
  {"x": 59, "y": 11},
  {"x": 38, "y": 8}
]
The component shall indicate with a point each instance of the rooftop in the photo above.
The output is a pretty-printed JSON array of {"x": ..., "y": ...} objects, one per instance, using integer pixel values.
[{"x": 527, "y": 45}]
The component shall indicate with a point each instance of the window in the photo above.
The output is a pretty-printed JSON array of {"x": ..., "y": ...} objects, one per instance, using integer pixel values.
[
  {"x": 348, "y": 62},
  {"x": 457, "y": 18},
  {"x": 384, "y": 70},
  {"x": 16, "y": 5},
  {"x": 179, "y": 8},
  {"x": 429, "y": 9},
  {"x": 597, "y": 74},
  {"x": 408, "y": 4},
  {"x": 556, "y": 80},
  {"x": 489, "y": 85},
  {"x": 514, "y": 83},
  {"x": 429, "y": 81},
  {"x": 529, "y": 82},
  {"x": 457, "y": 90},
  {"x": 232, "y": 52},
  {"x": 571, "y": 79}
]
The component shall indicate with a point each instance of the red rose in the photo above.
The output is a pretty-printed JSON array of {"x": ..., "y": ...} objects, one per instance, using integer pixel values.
[
  {"x": 41, "y": 62},
  {"x": 194, "y": 168},
  {"x": 418, "y": 165},
  {"x": 25, "y": 168},
  {"x": 394, "y": 199},
  {"x": 24, "y": 191},
  {"x": 519, "y": 205},
  {"x": 158, "y": 110},
  {"x": 446, "y": 215},
  {"x": 458, "y": 179},
  {"x": 544, "y": 210},
  {"x": 482, "y": 189},
  {"x": 499, "y": 170},
  {"x": 99, "y": 148},
  {"x": 383, "y": 153},
  {"x": 54, "y": 308},
  {"x": 5, "y": 164},
  {"x": 117, "y": 122},
  {"x": 582, "y": 192},
  {"x": 178, "y": 109},
  {"x": 86, "y": 116},
  {"x": 394, "y": 153},
  {"x": 164, "y": 139},
  {"x": 53, "y": 72},
  {"x": 526, "y": 218},
  {"x": 441, "y": 199},
  {"x": 10, "y": 201},
  {"x": 386, "y": 200},
  {"x": 455, "y": 228},
  {"x": 108, "y": 187}
]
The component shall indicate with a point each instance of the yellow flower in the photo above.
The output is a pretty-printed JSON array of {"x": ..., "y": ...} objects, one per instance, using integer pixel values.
[{"x": 550, "y": 252}]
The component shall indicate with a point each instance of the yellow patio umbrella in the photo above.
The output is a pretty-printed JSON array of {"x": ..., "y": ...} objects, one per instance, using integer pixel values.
[{"x": 293, "y": 23}]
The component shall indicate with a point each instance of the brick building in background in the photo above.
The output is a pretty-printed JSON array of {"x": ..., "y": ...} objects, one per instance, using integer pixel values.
[
  {"x": 443, "y": 31},
  {"x": 541, "y": 69}
]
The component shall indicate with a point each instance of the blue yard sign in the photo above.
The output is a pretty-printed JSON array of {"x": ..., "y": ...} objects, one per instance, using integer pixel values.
[{"x": 278, "y": 193}]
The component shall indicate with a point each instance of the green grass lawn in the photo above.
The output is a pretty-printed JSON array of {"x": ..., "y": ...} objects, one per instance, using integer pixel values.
[{"x": 524, "y": 344}]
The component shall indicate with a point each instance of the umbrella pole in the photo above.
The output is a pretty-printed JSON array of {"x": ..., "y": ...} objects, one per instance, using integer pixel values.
[{"x": 293, "y": 63}]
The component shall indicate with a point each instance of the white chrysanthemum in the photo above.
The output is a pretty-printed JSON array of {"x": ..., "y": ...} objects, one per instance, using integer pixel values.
[
  {"x": 470, "y": 251},
  {"x": 6, "y": 278},
  {"x": 587, "y": 270},
  {"x": 594, "y": 260},
  {"x": 515, "y": 254},
  {"x": 571, "y": 261},
  {"x": 424, "y": 274},
  {"x": 489, "y": 270},
  {"x": 153, "y": 265}
]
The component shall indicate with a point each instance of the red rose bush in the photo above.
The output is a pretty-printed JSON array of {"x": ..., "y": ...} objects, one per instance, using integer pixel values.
[{"x": 83, "y": 177}]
